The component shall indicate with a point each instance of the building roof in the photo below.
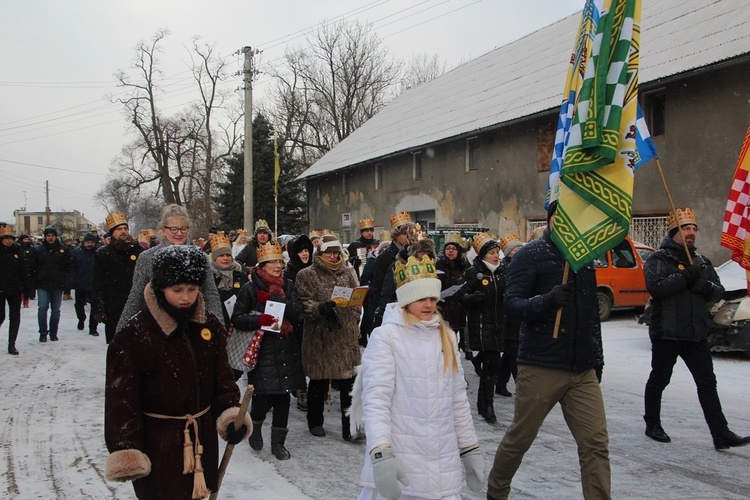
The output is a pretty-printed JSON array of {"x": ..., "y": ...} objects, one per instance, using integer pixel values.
[{"x": 527, "y": 76}]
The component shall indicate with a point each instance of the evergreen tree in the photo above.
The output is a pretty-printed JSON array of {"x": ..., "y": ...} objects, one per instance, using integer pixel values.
[{"x": 292, "y": 214}]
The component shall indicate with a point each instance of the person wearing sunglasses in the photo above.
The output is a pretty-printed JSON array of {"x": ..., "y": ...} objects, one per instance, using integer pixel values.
[{"x": 175, "y": 226}]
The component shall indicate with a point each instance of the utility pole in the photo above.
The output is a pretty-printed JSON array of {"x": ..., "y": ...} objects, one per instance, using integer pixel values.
[
  {"x": 46, "y": 184},
  {"x": 248, "y": 149}
]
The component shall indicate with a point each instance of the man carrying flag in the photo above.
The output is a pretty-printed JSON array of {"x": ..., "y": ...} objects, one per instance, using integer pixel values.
[{"x": 588, "y": 213}]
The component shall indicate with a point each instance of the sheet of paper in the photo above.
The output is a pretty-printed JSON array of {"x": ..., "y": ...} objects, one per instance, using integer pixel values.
[
  {"x": 229, "y": 304},
  {"x": 275, "y": 309},
  {"x": 448, "y": 292}
]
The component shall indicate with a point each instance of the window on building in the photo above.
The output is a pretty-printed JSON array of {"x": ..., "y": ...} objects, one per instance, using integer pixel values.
[
  {"x": 472, "y": 154},
  {"x": 417, "y": 166},
  {"x": 657, "y": 104},
  {"x": 39, "y": 221},
  {"x": 378, "y": 176}
]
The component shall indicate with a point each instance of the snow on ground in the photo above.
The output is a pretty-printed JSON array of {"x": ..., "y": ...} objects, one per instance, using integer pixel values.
[{"x": 52, "y": 445}]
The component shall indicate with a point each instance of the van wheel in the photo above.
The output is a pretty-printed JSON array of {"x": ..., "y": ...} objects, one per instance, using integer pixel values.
[{"x": 605, "y": 306}]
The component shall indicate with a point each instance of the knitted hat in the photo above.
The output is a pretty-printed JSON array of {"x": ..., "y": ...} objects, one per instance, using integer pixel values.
[
  {"x": 89, "y": 237},
  {"x": 415, "y": 281},
  {"x": 329, "y": 242},
  {"x": 261, "y": 226},
  {"x": 177, "y": 264},
  {"x": 50, "y": 230}
]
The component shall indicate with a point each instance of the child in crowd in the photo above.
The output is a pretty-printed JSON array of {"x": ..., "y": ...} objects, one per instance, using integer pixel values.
[
  {"x": 410, "y": 394},
  {"x": 169, "y": 387}
]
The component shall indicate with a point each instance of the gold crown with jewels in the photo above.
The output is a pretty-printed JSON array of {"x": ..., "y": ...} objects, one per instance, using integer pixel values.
[
  {"x": 511, "y": 239},
  {"x": 480, "y": 240},
  {"x": 686, "y": 216},
  {"x": 400, "y": 218},
  {"x": 269, "y": 251},
  {"x": 7, "y": 230},
  {"x": 115, "y": 219},
  {"x": 413, "y": 270},
  {"x": 219, "y": 240},
  {"x": 366, "y": 223}
]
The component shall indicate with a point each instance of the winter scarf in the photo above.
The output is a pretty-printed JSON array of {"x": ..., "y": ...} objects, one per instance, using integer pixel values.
[
  {"x": 224, "y": 275},
  {"x": 122, "y": 246},
  {"x": 333, "y": 266},
  {"x": 276, "y": 289},
  {"x": 491, "y": 267}
]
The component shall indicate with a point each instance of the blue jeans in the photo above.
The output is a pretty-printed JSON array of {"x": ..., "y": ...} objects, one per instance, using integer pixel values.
[{"x": 46, "y": 298}]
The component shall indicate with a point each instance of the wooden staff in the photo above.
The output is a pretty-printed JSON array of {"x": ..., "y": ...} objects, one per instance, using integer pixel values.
[
  {"x": 559, "y": 311},
  {"x": 230, "y": 447},
  {"x": 674, "y": 211}
]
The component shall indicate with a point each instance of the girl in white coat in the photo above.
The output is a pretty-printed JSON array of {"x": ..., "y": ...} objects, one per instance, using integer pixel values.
[{"x": 410, "y": 394}]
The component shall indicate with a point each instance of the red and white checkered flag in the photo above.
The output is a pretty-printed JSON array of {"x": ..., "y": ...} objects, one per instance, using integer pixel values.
[{"x": 736, "y": 228}]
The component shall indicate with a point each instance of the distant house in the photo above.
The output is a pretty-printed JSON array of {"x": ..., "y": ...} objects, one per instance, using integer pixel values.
[
  {"x": 475, "y": 143},
  {"x": 69, "y": 224}
]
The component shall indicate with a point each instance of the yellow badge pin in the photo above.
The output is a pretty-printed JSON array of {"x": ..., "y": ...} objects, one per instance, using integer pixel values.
[
  {"x": 485, "y": 282},
  {"x": 206, "y": 334},
  {"x": 133, "y": 257}
]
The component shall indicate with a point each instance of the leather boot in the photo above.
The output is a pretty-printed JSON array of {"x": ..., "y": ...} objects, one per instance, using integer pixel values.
[
  {"x": 256, "y": 438},
  {"x": 480, "y": 398},
  {"x": 728, "y": 439},
  {"x": 346, "y": 432},
  {"x": 43, "y": 337},
  {"x": 278, "y": 437},
  {"x": 489, "y": 395},
  {"x": 12, "y": 336}
]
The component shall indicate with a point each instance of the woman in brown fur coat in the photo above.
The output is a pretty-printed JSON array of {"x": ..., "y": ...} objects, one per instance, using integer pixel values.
[
  {"x": 330, "y": 343},
  {"x": 169, "y": 387}
]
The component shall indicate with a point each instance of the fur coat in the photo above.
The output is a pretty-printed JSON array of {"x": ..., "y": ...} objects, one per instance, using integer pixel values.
[{"x": 328, "y": 354}]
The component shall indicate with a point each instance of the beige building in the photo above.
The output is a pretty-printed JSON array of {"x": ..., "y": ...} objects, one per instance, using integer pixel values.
[
  {"x": 69, "y": 224},
  {"x": 476, "y": 142}
]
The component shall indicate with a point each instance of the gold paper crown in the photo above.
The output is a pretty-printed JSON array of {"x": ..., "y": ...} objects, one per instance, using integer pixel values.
[
  {"x": 686, "y": 216},
  {"x": 314, "y": 234},
  {"x": 115, "y": 219},
  {"x": 508, "y": 239},
  {"x": 269, "y": 251},
  {"x": 455, "y": 237},
  {"x": 327, "y": 231},
  {"x": 7, "y": 230},
  {"x": 480, "y": 240},
  {"x": 413, "y": 270},
  {"x": 385, "y": 235},
  {"x": 219, "y": 240},
  {"x": 241, "y": 232},
  {"x": 400, "y": 218},
  {"x": 260, "y": 223},
  {"x": 366, "y": 223}
]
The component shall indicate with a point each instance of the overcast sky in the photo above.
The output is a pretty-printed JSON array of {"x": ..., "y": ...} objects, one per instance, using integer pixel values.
[{"x": 59, "y": 57}]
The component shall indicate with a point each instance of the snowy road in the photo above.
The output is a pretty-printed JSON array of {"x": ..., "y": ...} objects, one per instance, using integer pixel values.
[{"x": 51, "y": 406}]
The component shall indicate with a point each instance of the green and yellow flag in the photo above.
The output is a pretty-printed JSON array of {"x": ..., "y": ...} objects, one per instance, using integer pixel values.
[{"x": 596, "y": 180}]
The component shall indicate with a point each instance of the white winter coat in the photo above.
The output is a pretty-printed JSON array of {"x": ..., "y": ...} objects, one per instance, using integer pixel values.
[{"x": 408, "y": 403}]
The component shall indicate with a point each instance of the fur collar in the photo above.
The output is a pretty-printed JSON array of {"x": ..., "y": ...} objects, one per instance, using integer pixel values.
[{"x": 166, "y": 322}]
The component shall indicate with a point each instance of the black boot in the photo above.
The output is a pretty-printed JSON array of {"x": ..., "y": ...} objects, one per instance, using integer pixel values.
[
  {"x": 12, "y": 336},
  {"x": 278, "y": 437},
  {"x": 656, "y": 432},
  {"x": 489, "y": 396},
  {"x": 503, "y": 391},
  {"x": 256, "y": 438},
  {"x": 480, "y": 398},
  {"x": 346, "y": 432},
  {"x": 12, "y": 350},
  {"x": 728, "y": 439},
  {"x": 42, "y": 336}
]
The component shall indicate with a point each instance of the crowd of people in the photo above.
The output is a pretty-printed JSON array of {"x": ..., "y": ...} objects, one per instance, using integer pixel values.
[{"x": 186, "y": 319}]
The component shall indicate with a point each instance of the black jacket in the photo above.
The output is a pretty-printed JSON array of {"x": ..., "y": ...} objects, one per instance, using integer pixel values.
[
  {"x": 485, "y": 313},
  {"x": 279, "y": 368},
  {"x": 295, "y": 264},
  {"x": 535, "y": 269},
  {"x": 248, "y": 256},
  {"x": 113, "y": 278},
  {"x": 360, "y": 242},
  {"x": 383, "y": 264},
  {"x": 453, "y": 273},
  {"x": 51, "y": 267},
  {"x": 679, "y": 310},
  {"x": 13, "y": 278},
  {"x": 84, "y": 261},
  {"x": 511, "y": 327}
]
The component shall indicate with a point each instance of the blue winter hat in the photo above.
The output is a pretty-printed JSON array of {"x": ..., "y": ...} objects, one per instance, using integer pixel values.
[{"x": 177, "y": 264}]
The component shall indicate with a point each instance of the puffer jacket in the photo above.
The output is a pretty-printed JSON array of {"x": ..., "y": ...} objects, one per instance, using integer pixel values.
[
  {"x": 279, "y": 368},
  {"x": 453, "y": 273},
  {"x": 51, "y": 267},
  {"x": 402, "y": 375},
  {"x": 535, "y": 269},
  {"x": 679, "y": 313},
  {"x": 328, "y": 354},
  {"x": 486, "y": 316},
  {"x": 84, "y": 260}
]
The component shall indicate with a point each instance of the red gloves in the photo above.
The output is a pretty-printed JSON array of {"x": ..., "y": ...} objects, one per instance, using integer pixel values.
[{"x": 265, "y": 319}]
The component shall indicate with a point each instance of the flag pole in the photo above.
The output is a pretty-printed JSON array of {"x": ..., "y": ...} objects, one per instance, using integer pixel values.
[
  {"x": 674, "y": 210},
  {"x": 559, "y": 311}
]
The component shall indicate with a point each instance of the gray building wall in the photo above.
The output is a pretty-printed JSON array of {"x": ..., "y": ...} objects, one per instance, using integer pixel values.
[{"x": 706, "y": 116}]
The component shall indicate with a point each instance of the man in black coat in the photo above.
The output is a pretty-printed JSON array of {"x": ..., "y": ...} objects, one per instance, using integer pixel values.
[
  {"x": 248, "y": 256},
  {"x": 12, "y": 283},
  {"x": 554, "y": 370},
  {"x": 114, "y": 264},
  {"x": 52, "y": 272},
  {"x": 84, "y": 259},
  {"x": 680, "y": 289}
]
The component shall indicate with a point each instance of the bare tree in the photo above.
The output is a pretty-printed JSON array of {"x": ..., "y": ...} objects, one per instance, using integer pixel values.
[
  {"x": 421, "y": 69},
  {"x": 328, "y": 90}
]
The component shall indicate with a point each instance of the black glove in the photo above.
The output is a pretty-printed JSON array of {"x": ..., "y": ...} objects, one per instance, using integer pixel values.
[
  {"x": 327, "y": 308},
  {"x": 276, "y": 298},
  {"x": 692, "y": 273},
  {"x": 234, "y": 436},
  {"x": 332, "y": 321},
  {"x": 559, "y": 296},
  {"x": 702, "y": 286},
  {"x": 100, "y": 317}
]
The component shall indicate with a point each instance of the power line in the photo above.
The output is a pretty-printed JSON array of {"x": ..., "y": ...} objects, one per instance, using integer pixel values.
[{"x": 51, "y": 168}]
